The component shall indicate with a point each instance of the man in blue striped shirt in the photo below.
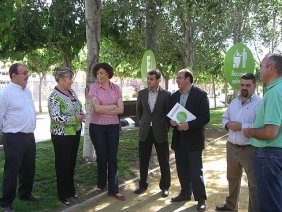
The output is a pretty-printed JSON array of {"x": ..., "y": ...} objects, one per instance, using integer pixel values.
[{"x": 240, "y": 114}]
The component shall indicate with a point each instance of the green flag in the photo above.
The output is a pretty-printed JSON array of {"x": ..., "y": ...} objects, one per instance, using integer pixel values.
[
  {"x": 148, "y": 64},
  {"x": 238, "y": 61}
]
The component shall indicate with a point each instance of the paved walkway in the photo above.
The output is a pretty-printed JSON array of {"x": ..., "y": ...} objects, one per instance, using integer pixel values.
[{"x": 215, "y": 179}]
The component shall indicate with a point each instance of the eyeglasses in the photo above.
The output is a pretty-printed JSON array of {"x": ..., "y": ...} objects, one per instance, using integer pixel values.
[
  {"x": 178, "y": 78},
  {"x": 24, "y": 73}
]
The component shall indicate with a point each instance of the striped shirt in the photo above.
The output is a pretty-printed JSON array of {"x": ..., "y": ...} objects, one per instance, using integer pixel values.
[{"x": 243, "y": 113}]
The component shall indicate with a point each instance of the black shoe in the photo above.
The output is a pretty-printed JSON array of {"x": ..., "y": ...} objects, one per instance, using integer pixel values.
[
  {"x": 75, "y": 196},
  {"x": 201, "y": 205},
  {"x": 31, "y": 198},
  {"x": 140, "y": 190},
  {"x": 165, "y": 193},
  {"x": 65, "y": 201},
  {"x": 180, "y": 198},
  {"x": 223, "y": 208}
]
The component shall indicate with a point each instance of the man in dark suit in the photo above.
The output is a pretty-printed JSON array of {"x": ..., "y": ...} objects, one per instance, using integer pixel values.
[
  {"x": 152, "y": 108},
  {"x": 188, "y": 139}
]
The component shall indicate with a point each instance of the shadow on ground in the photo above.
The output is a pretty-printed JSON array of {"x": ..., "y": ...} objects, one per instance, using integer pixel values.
[{"x": 214, "y": 158}]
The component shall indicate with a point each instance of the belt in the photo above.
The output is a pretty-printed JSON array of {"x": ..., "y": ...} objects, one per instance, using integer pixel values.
[
  {"x": 269, "y": 148},
  {"x": 240, "y": 146}
]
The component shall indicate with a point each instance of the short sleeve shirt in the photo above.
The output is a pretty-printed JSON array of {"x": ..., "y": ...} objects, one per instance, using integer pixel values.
[
  {"x": 270, "y": 112},
  {"x": 105, "y": 97}
]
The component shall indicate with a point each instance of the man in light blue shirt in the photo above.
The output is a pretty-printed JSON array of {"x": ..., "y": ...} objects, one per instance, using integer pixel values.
[
  {"x": 17, "y": 123},
  {"x": 266, "y": 136},
  {"x": 240, "y": 114}
]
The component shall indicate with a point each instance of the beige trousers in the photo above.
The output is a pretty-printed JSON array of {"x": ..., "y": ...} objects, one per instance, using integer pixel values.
[{"x": 239, "y": 158}]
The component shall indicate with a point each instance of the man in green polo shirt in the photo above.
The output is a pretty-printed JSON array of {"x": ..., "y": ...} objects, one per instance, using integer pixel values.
[{"x": 266, "y": 136}]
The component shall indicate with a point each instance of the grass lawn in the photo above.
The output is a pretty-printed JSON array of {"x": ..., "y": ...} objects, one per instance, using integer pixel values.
[{"x": 86, "y": 172}]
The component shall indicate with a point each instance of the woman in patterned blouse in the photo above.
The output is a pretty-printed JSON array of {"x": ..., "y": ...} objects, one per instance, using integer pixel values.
[
  {"x": 104, "y": 127},
  {"x": 66, "y": 116}
]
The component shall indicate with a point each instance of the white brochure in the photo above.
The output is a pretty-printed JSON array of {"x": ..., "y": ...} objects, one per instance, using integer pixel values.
[{"x": 180, "y": 114}]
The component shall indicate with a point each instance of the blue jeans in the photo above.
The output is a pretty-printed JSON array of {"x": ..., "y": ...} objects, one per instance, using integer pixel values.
[
  {"x": 268, "y": 174},
  {"x": 105, "y": 139}
]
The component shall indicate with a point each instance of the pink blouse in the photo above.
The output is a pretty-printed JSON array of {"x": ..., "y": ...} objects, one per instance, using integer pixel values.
[{"x": 105, "y": 97}]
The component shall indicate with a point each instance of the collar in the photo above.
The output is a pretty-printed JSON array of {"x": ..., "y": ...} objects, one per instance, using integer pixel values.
[
  {"x": 17, "y": 85},
  {"x": 248, "y": 100},
  {"x": 274, "y": 82},
  {"x": 158, "y": 89},
  {"x": 187, "y": 91},
  {"x": 100, "y": 85}
]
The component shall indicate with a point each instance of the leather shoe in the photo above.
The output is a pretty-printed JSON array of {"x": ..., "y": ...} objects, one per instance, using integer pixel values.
[
  {"x": 118, "y": 196},
  {"x": 140, "y": 190},
  {"x": 180, "y": 198},
  {"x": 165, "y": 193},
  {"x": 223, "y": 208},
  {"x": 98, "y": 190},
  {"x": 75, "y": 196},
  {"x": 201, "y": 205},
  {"x": 66, "y": 201},
  {"x": 31, "y": 198}
]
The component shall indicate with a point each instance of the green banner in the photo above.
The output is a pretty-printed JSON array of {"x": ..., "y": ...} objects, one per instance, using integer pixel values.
[
  {"x": 148, "y": 63},
  {"x": 238, "y": 61}
]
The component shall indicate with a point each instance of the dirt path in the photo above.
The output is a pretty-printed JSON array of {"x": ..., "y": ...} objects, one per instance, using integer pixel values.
[{"x": 216, "y": 185}]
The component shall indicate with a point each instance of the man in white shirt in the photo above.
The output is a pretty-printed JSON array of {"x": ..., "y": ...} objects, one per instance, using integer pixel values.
[
  {"x": 240, "y": 154},
  {"x": 17, "y": 124}
]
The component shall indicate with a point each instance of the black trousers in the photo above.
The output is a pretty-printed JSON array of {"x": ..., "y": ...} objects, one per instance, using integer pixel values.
[
  {"x": 145, "y": 149},
  {"x": 189, "y": 170},
  {"x": 65, "y": 148},
  {"x": 19, "y": 151},
  {"x": 105, "y": 139}
]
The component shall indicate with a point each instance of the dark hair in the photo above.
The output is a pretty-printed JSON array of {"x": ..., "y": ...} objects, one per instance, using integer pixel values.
[
  {"x": 107, "y": 67},
  {"x": 156, "y": 73},
  {"x": 249, "y": 76},
  {"x": 189, "y": 74},
  {"x": 61, "y": 73},
  {"x": 277, "y": 60},
  {"x": 14, "y": 69}
]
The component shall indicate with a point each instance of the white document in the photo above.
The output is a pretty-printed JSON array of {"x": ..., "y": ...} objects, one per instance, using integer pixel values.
[{"x": 180, "y": 114}]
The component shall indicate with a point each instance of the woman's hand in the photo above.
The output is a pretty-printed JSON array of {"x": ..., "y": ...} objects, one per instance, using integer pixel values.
[{"x": 80, "y": 117}]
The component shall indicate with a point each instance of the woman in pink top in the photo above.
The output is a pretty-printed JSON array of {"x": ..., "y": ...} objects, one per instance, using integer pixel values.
[{"x": 104, "y": 127}]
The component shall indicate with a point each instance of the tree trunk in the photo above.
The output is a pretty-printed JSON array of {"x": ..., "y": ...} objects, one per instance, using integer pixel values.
[
  {"x": 213, "y": 90},
  {"x": 41, "y": 76},
  {"x": 166, "y": 82},
  {"x": 188, "y": 44},
  {"x": 151, "y": 26},
  {"x": 93, "y": 34},
  {"x": 67, "y": 61}
]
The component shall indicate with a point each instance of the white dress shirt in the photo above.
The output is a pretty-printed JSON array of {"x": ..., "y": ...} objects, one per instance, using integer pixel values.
[
  {"x": 17, "y": 111},
  {"x": 243, "y": 113}
]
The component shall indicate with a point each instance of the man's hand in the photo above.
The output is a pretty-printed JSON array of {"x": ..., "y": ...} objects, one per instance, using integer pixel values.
[
  {"x": 173, "y": 123},
  {"x": 234, "y": 125},
  {"x": 248, "y": 132},
  {"x": 183, "y": 126}
]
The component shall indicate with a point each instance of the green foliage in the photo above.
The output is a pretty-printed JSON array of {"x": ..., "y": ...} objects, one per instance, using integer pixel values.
[
  {"x": 28, "y": 25},
  {"x": 215, "y": 119},
  {"x": 40, "y": 60},
  {"x": 201, "y": 29},
  {"x": 66, "y": 28},
  {"x": 21, "y": 28}
]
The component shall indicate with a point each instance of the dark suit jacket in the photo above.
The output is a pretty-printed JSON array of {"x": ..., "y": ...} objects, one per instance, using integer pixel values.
[
  {"x": 198, "y": 104},
  {"x": 160, "y": 124}
]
